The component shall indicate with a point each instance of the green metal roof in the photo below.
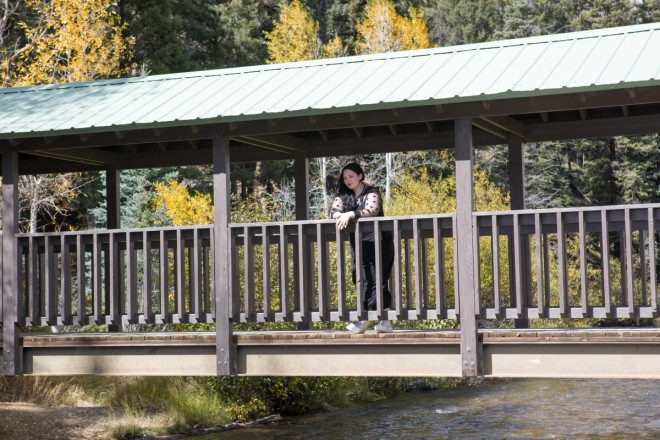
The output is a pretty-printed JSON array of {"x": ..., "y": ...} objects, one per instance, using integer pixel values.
[{"x": 604, "y": 59}]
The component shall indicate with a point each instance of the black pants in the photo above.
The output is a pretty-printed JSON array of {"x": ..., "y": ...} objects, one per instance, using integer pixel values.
[{"x": 369, "y": 270}]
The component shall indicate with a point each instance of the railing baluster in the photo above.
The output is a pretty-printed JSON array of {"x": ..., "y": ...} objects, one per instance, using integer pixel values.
[
  {"x": 179, "y": 262},
  {"x": 418, "y": 268},
  {"x": 147, "y": 278},
  {"x": 605, "y": 262},
  {"x": 115, "y": 280},
  {"x": 65, "y": 281},
  {"x": 652, "y": 273},
  {"x": 406, "y": 251},
  {"x": 518, "y": 267},
  {"x": 131, "y": 276},
  {"x": 81, "y": 312},
  {"x": 439, "y": 257},
  {"x": 378, "y": 263},
  {"x": 33, "y": 281},
  {"x": 642, "y": 264},
  {"x": 425, "y": 276},
  {"x": 206, "y": 278},
  {"x": 196, "y": 273},
  {"x": 495, "y": 245},
  {"x": 584, "y": 287},
  {"x": 265, "y": 259},
  {"x": 538, "y": 234},
  {"x": 284, "y": 274},
  {"x": 97, "y": 280},
  {"x": 359, "y": 282},
  {"x": 323, "y": 273},
  {"x": 164, "y": 279},
  {"x": 51, "y": 283},
  {"x": 563, "y": 275},
  {"x": 629, "y": 267},
  {"x": 235, "y": 279},
  {"x": 454, "y": 233},
  {"x": 396, "y": 270},
  {"x": 248, "y": 275}
]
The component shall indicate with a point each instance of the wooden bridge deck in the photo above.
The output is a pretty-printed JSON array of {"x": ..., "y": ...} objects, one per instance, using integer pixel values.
[{"x": 609, "y": 352}]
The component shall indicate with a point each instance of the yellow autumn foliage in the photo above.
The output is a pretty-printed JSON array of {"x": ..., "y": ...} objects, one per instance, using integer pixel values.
[
  {"x": 383, "y": 30},
  {"x": 73, "y": 41},
  {"x": 182, "y": 207}
]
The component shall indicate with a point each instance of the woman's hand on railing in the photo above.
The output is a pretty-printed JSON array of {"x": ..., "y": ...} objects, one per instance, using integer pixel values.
[{"x": 342, "y": 218}]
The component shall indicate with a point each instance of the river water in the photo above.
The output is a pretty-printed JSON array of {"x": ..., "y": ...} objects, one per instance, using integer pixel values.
[{"x": 517, "y": 409}]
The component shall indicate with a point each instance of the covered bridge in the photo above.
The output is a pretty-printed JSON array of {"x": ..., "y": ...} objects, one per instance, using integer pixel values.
[{"x": 576, "y": 85}]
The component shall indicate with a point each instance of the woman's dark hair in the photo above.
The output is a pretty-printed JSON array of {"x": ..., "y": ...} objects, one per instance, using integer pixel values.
[{"x": 346, "y": 194}]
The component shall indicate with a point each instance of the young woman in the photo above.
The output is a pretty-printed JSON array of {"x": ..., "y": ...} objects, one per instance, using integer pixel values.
[{"x": 356, "y": 199}]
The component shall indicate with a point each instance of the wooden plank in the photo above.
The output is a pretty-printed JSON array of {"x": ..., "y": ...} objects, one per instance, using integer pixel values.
[
  {"x": 439, "y": 270},
  {"x": 518, "y": 267},
  {"x": 33, "y": 280},
  {"x": 284, "y": 274},
  {"x": 97, "y": 280},
  {"x": 50, "y": 277},
  {"x": 265, "y": 261},
  {"x": 131, "y": 277},
  {"x": 115, "y": 279},
  {"x": 584, "y": 286},
  {"x": 234, "y": 278},
  {"x": 605, "y": 262},
  {"x": 471, "y": 364},
  {"x": 147, "y": 278},
  {"x": 652, "y": 262},
  {"x": 378, "y": 260},
  {"x": 396, "y": 270},
  {"x": 409, "y": 275},
  {"x": 642, "y": 264},
  {"x": 180, "y": 278},
  {"x": 562, "y": 262},
  {"x": 206, "y": 277},
  {"x": 425, "y": 275},
  {"x": 417, "y": 245},
  {"x": 196, "y": 274},
  {"x": 323, "y": 270},
  {"x": 81, "y": 315},
  {"x": 11, "y": 350},
  {"x": 225, "y": 347},
  {"x": 629, "y": 266},
  {"x": 163, "y": 268},
  {"x": 65, "y": 282},
  {"x": 248, "y": 274},
  {"x": 359, "y": 282},
  {"x": 341, "y": 276},
  {"x": 457, "y": 297},
  {"x": 495, "y": 246},
  {"x": 539, "y": 264}
]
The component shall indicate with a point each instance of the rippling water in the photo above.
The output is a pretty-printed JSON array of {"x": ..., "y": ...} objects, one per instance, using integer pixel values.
[{"x": 520, "y": 409}]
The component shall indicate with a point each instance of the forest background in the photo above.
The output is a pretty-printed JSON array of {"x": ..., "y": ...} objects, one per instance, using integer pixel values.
[
  {"x": 55, "y": 41},
  {"x": 48, "y": 41}
]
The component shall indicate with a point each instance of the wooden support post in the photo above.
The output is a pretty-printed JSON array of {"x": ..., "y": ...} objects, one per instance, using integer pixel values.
[
  {"x": 471, "y": 361},
  {"x": 517, "y": 194},
  {"x": 301, "y": 172},
  {"x": 225, "y": 356},
  {"x": 11, "y": 350},
  {"x": 113, "y": 221}
]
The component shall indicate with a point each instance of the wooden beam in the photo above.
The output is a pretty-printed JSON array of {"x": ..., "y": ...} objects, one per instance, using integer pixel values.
[
  {"x": 394, "y": 129},
  {"x": 162, "y": 145},
  {"x": 193, "y": 144},
  {"x": 508, "y": 123},
  {"x": 490, "y": 128},
  {"x": 429, "y": 126},
  {"x": 593, "y": 128},
  {"x": 357, "y": 131},
  {"x": 301, "y": 172},
  {"x": 323, "y": 134},
  {"x": 625, "y": 110},
  {"x": 471, "y": 362},
  {"x": 225, "y": 347},
  {"x": 285, "y": 141},
  {"x": 112, "y": 196},
  {"x": 11, "y": 350},
  {"x": 583, "y": 114},
  {"x": 261, "y": 144},
  {"x": 92, "y": 156},
  {"x": 545, "y": 117}
]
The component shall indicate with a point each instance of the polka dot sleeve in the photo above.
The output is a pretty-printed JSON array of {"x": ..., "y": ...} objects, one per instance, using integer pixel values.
[
  {"x": 337, "y": 206},
  {"x": 372, "y": 204}
]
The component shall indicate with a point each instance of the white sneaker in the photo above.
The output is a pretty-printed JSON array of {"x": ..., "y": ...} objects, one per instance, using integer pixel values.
[
  {"x": 357, "y": 327},
  {"x": 383, "y": 327}
]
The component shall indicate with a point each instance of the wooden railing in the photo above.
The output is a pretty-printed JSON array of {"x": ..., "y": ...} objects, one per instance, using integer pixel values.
[
  {"x": 301, "y": 271},
  {"x": 569, "y": 263},
  {"x": 130, "y": 276}
]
